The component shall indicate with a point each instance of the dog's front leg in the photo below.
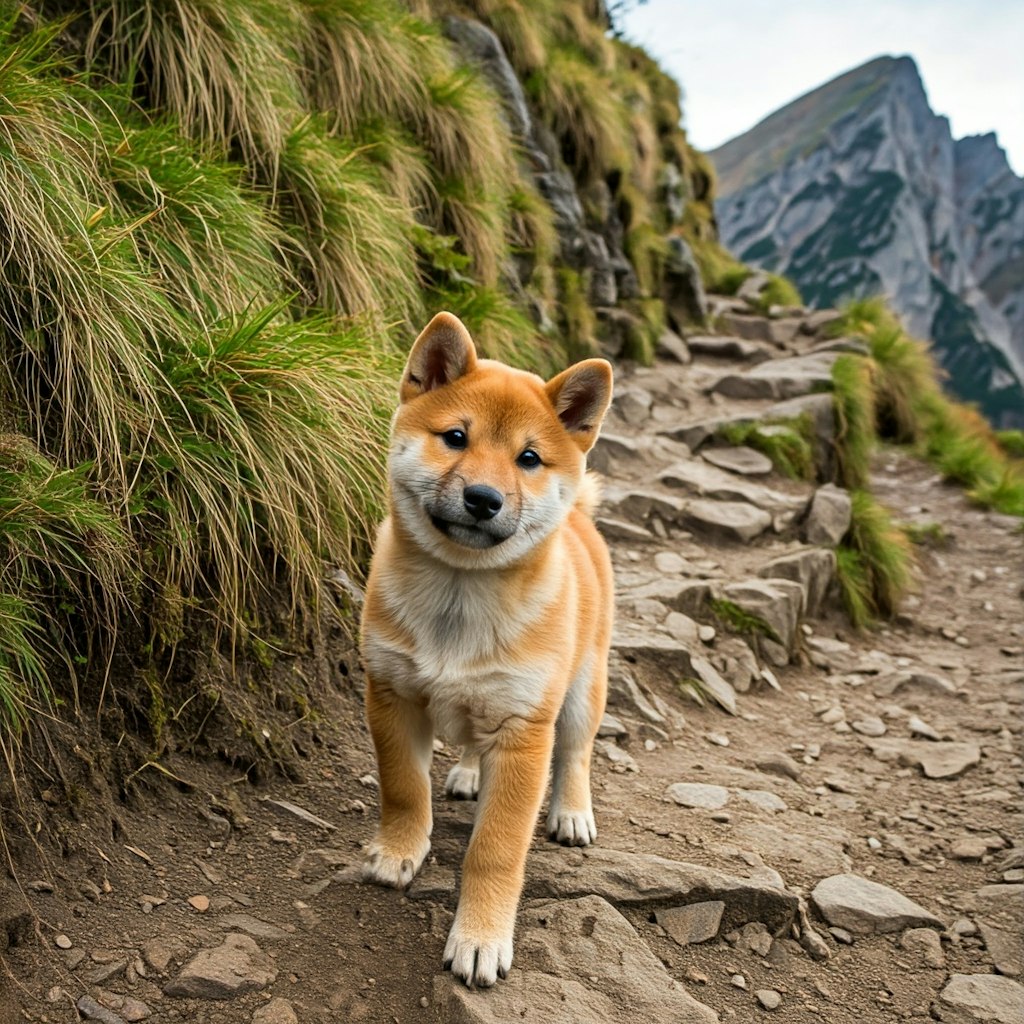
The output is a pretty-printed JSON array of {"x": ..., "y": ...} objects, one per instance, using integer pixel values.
[
  {"x": 403, "y": 736},
  {"x": 513, "y": 772}
]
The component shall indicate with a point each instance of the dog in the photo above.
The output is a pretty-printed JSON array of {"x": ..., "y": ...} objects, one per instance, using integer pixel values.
[{"x": 487, "y": 618}]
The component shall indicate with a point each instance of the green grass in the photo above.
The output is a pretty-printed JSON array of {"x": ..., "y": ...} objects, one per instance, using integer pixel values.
[
  {"x": 738, "y": 620},
  {"x": 853, "y": 383},
  {"x": 874, "y": 562},
  {"x": 1012, "y": 442},
  {"x": 779, "y": 291},
  {"x": 787, "y": 442},
  {"x": 927, "y": 535}
]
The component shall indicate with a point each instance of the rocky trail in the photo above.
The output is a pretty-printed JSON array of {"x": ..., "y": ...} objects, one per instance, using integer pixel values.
[{"x": 795, "y": 818}]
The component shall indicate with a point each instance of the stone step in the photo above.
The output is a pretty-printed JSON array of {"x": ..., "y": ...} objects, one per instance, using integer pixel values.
[{"x": 780, "y": 378}]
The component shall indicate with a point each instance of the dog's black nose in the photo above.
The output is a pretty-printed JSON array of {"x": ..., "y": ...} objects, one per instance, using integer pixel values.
[{"x": 482, "y": 502}]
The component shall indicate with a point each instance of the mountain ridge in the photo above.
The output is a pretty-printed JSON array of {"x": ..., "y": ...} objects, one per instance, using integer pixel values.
[{"x": 858, "y": 188}]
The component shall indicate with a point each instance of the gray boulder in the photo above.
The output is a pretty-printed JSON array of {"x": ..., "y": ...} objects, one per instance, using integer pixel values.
[
  {"x": 781, "y": 378},
  {"x": 813, "y": 568},
  {"x": 829, "y": 516},
  {"x": 868, "y": 908},
  {"x": 685, "y": 299},
  {"x": 971, "y": 998}
]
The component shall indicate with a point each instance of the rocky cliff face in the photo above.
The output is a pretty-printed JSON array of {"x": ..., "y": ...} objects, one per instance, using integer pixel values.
[{"x": 858, "y": 188}]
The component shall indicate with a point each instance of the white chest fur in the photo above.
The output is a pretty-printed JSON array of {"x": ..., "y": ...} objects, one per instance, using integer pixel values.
[{"x": 465, "y": 653}]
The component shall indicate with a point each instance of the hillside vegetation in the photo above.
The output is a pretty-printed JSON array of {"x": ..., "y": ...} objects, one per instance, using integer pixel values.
[{"x": 221, "y": 224}]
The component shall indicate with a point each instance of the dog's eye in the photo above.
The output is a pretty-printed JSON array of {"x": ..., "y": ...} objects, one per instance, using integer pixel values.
[
  {"x": 455, "y": 438},
  {"x": 528, "y": 459}
]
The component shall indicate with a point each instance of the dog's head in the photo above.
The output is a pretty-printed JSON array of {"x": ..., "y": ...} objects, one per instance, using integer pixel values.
[{"x": 486, "y": 460}]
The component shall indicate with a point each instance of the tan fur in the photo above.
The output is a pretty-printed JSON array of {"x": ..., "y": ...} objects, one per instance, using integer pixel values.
[{"x": 501, "y": 647}]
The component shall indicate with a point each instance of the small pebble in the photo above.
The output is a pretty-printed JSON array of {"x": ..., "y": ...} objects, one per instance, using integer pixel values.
[
  {"x": 62, "y": 942},
  {"x": 873, "y": 843},
  {"x": 768, "y": 998},
  {"x": 841, "y": 935},
  {"x": 424, "y": 1002},
  {"x": 200, "y": 902},
  {"x": 738, "y": 981}
]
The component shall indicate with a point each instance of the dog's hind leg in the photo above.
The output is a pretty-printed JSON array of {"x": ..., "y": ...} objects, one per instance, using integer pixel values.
[
  {"x": 403, "y": 735},
  {"x": 571, "y": 814},
  {"x": 463, "y": 782}
]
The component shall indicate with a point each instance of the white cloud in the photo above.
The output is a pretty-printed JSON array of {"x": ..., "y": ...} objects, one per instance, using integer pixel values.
[{"x": 739, "y": 60}]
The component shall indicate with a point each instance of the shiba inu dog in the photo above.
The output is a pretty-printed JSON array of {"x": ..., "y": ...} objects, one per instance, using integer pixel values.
[{"x": 488, "y": 617}]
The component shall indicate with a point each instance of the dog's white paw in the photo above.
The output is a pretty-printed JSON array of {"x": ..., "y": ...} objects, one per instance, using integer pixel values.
[
  {"x": 394, "y": 868},
  {"x": 463, "y": 783},
  {"x": 572, "y": 828},
  {"x": 475, "y": 959}
]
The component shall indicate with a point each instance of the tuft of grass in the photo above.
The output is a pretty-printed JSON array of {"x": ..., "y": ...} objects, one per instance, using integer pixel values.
[
  {"x": 1012, "y": 442},
  {"x": 927, "y": 535},
  {"x": 788, "y": 442},
  {"x": 269, "y": 461},
  {"x": 733, "y": 617},
  {"x": 778, "y": 291},
  {"x": 874, "y": 562},
  {"x": 62, "y": 554},
  {"x": 853, "y": 383},
  {"x": 585, "y": 115},
  {"x": 579, "y": 322},
  {"x": 354, "y": 240}
]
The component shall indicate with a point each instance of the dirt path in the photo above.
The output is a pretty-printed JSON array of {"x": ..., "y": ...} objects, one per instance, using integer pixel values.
[{"x": 209, "y": 902}]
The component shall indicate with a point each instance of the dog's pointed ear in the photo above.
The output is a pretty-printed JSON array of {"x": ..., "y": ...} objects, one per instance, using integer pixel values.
[
  {"x": 581, "y": 396},
  {"x": 442, "y": 353}
]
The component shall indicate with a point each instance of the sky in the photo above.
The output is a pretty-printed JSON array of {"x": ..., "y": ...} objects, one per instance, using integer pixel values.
[{"x": 739, "y": 60}]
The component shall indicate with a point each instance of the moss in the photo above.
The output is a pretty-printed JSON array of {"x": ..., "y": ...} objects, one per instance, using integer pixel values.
[{"x": 738, "y": 620}]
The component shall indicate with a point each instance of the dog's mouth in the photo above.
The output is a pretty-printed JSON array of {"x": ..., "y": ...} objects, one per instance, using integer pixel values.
[{"x": 468, "y": 535}]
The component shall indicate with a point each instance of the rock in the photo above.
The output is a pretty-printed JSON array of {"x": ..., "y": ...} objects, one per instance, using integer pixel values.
[
  {"x": 736, "y": 661},
  {"x": 968, "y": 998},
  {"x": 619, "y": 529},
  {"x": 869, "y": 725},
  {"x": 841, "y": 935},
  {"x": 233, "y": 968},
  {"x": 696, "y": 922},
  {"x": 671, "y": 346},
  {"x": 596, "y": 969},
  {"x": 683, "y": 289},
  {"x": 698, "y": 795},
  {"x": 633, "y": 404},
  {"x": 200, "y": 902},
  {"x": 969, "y": 848},
  {"x": 62, "y": 942},
  {"x": 919, "y": 728},
  {"x": 868, "y": 908},
  {"x": 764, "y": 799},
  {"x": 743, "y": 460},
  {"x": 91, "y": 1010},
  {"x": 261, "y": 929},
  {"x": 277, "y": 1011},
  {"x": 780, "y": 378},
  {"x": 611, "y": 727},
  {"x": 813, "y": 568},
  {"x": 1001, "y": 924},
  {"x": 936, "y": 760},
  {"x": 926, "y": 683},
  {"x": 610, "y": 447},
  {"x": 718, "y": 347},
  {"x": 832, "y": 715},
  {"x": 632, "y": 880},
  {"x": 625, "y": 692},
  {"x": 707, "y": 481},
  {"x": 623, "y": 760},
  {"x": 819, "y": 321},
  {"x": 925, "y": 943},
  {"x": 768, "y": 998},
  {"x": 730, "y": 520},
  {"x": 779, "y": 764},
  {"x": 641, "y": 504},
  {"x": 681, "y": 627},
  {"x": 776, "y": 602},
  {"x": 829, "y": 516},
  {"x": 713, "y": 684},
  {"x": 755, "y": 938},
  {"x": 132, "y": 1010}
]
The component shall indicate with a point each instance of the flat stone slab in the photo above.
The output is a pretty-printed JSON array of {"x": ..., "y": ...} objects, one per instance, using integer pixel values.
[
  {"x": 698, "y": 795},
  {"x": 813, "y": 568},
  {"x": 235, "y": 967},
  {"x": 968, "y": 998},
  {"x": 731, "y": 520},
  {"x": 741, "y": 459},
  {"x": 781, "y": 378},
  {"x": 936, "y": 760},
  {"x": 688, "y": 925},
  {"x": 724, "y": 347},
  {"x": 868, "y": 908},
  {"x": 633, "y": 879},
  {"x": 706, "y": 481},
  {"x": 575, "y": 960}
]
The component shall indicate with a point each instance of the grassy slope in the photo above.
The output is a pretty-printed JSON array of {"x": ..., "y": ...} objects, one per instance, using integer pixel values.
[{"x": 224, "y": 221}]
